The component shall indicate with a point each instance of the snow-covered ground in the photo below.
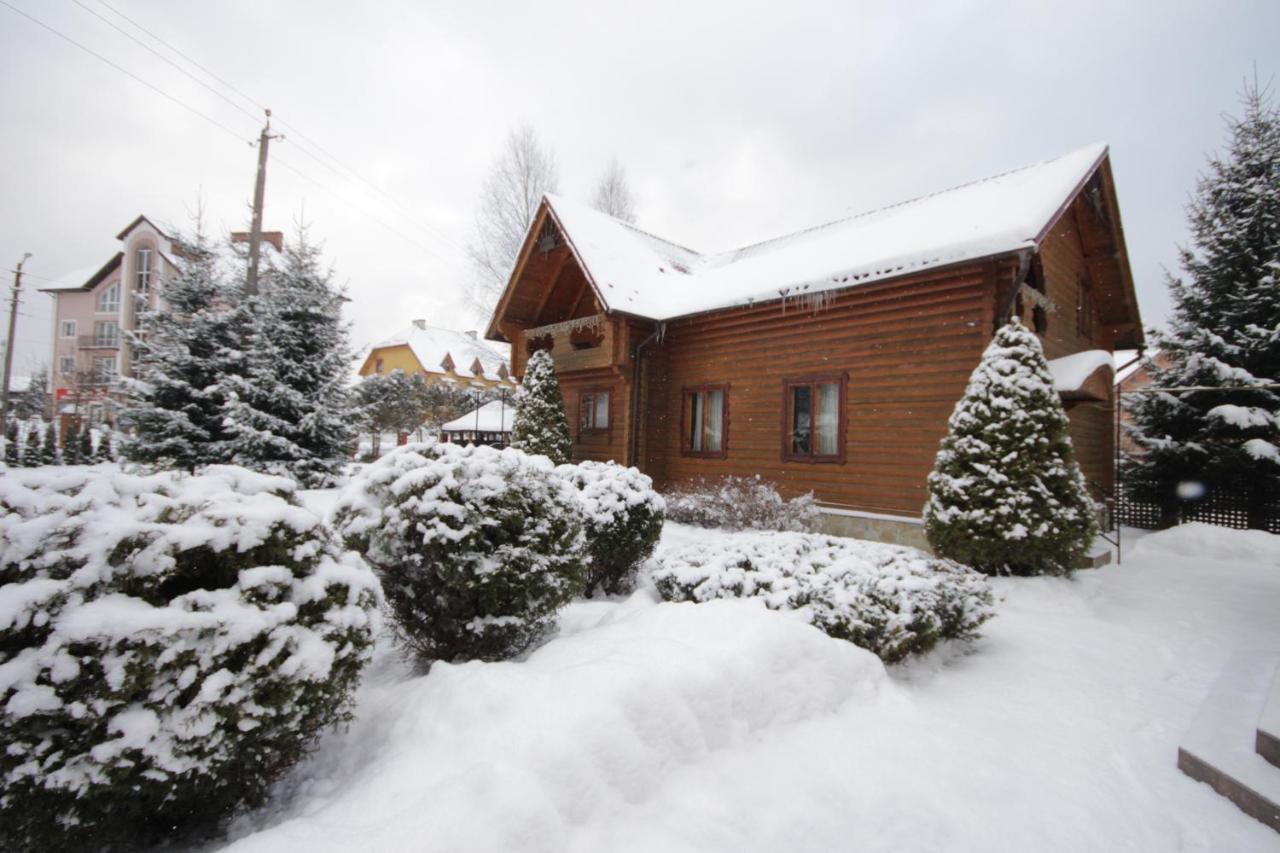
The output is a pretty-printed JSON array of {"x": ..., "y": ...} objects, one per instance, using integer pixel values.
[{"x": 723, "y": 726}]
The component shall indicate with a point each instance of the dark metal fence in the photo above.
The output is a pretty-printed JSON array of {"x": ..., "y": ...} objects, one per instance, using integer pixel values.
[{"x": 1224, "y": 509}]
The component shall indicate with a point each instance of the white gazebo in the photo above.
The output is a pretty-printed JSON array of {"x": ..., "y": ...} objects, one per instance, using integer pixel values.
[{"x": 490, "y": 424}]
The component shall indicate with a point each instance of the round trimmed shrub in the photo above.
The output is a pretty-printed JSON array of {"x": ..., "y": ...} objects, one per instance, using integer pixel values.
[
  {"x": 477, "y": 548},
  {"x": 892, "y": 600},
  {"x": 623, "y": 517},
  {"x": 169, "y": 646}
]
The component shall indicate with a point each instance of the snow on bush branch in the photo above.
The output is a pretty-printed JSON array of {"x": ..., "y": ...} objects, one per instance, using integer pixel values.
[
  {"x": 892, "y": 600},
  {"x": 169, "y": 645}
]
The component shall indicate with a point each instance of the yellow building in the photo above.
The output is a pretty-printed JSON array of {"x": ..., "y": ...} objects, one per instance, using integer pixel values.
[{"x": 441, "y": 355}]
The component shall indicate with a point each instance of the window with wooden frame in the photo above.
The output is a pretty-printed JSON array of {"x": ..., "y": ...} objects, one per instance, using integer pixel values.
[
  {"x": 813, "y": 427},
  {"x": 704, "y": 423},
  {"x": 593, "y": 410},
  {"x": 1084, "y": 308}
]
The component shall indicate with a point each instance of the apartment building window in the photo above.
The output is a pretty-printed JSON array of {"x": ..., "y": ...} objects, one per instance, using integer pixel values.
[
  {"x": 705, "y": 421},
  {"x": 593, "y": 410},
  {"x": 815, "y": 428},
  {"x": 67, "y": 365},
  {"x": 104, "y": 369},
  {"x": 143, "y": 266},
  {"x": 109, "y": 300},
  {"x": 106, "y": 333},
  {"x": 68, "y": 328}
]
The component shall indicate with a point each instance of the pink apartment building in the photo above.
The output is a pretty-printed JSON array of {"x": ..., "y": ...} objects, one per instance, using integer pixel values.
[{"x": 95, "y": 308}]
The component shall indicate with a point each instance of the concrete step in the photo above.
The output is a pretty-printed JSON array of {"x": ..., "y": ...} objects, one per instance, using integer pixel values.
[
  {"x": 1267, "y": 739},
  {"x": 1220, "y": 747}
]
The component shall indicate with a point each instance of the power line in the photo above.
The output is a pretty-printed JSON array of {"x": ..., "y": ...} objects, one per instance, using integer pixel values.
[
  {"x": 124, "y": 71},
  {"x": 335, "y": 165},
  {"x": 223, "y": 128}
]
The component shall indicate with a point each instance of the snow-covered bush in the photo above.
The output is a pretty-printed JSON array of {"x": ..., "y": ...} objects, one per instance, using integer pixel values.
[
  {"x": 889, "y": 599},
  {"x": 740, "y": 503},
  {"x": 1006, "y": 494},
  {"x": 169, "y": 645},
  {"x": 477, "y": 548},
  {"x": 622, "y": 515}
]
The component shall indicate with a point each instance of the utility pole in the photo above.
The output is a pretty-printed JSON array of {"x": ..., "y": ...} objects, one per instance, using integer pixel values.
[
  {"x": 8, "y": 346},
  {"x": 259, "y": 198}
]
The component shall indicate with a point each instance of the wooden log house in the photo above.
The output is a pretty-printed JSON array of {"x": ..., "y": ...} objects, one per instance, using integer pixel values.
[{"x": 828, "y": 360}]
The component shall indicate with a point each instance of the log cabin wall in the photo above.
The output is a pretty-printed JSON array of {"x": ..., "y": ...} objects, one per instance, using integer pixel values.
[
  {"x": 908, "y": 347},
  {"x": 1065, "y": 268}
]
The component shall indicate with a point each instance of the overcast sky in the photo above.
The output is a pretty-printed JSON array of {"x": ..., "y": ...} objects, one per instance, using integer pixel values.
[{"x": 735, "y": 121}]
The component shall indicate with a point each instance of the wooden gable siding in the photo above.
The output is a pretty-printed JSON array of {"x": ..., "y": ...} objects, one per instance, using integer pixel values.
[
  {"x": 908, "y": 347},
  {"x": 1065, "y": 262}
]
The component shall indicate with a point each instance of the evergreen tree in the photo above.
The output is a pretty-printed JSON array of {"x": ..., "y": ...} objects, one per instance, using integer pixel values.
[
  {"x": 71, "y": 444},
  {"x": 1223, "y": 337},
  {"x": 186, "y": 350},
  {"x": 87, "y": 455},
  {"x": 49, "y": 447},
  {"x": 105, "y": 451},
  {"x": 11, "y": 457},
  {"x": 290, "y": 411},
  {"x": 34, "y": 402},
  {"x": 540, "y": 424},
  {"x": 31, "y": 451},
  {"x": 1006, "y": 495}
]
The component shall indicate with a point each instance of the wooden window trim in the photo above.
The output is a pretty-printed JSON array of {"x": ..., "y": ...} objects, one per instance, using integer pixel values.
[
  {"x": 590, "y": 393},
  {"x": 686, "y": 447},
  {"x": 842, "y": 424}
]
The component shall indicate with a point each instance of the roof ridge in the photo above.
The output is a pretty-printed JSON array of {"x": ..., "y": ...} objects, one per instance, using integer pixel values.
[{"x": 887, "y": 207}]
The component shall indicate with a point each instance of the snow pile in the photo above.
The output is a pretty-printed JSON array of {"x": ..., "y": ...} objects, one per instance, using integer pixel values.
[
  {"x": 740, "y": 503},
  {"x": 477, "y": 548},
  {"x": 1071, "y": 371},
  {"x": 169, "y": 645},
  {"x": 520, "y": 756},
  {"x": 623, "y": 520},
  {"x": 1197, "y": 540},
  {"x": 890, "y": 599}
]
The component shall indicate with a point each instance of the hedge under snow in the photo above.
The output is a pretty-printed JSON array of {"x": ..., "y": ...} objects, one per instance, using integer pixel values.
[
  {"x": 477, "y": 548},
  {"x": 623, "y": 517},
  {"x": 169, "y": 645},
  {"x": 740, "y": 503},
  {"x": 889, "y": 599}
]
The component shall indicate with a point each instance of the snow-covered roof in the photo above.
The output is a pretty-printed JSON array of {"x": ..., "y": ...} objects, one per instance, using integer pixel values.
[
  {"x": 77, "y": 279},
  {"x": 495, "y": 416},
  {"x": 431, "y": 345},
  {"x": 644, "y": 275},
  {"x": 1071, "y": 371}
]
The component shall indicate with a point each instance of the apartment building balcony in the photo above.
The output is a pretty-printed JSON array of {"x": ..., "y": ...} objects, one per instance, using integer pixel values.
[{"x": 98, "y": 342}]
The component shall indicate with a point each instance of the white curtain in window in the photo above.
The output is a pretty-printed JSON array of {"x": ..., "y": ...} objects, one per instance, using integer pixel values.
[
  {"x": 602, "y": 411},
  {"x": 695, "y": 432},
  {"x": 715, "y": 420},
  {"x": 828, "y": 418}
]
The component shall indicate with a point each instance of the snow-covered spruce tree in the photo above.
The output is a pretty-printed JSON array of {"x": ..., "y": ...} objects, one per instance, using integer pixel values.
[
  {"x": 31, "y": 447},
  {"x": 12, "y": 457},
  {"x": 1224, "y": 336},
  {"x": 540, "y": 424},
  {"x": 105, "y": 452},
  {"x": 290, "y": 411},
  {"x": 1006, "y": 495},
  {"x": 49, "y": 454},
  {"x": 71, "y": 444},
  {"x": 186, "y": 350},
  {"x": 171, "y": 645},
  {"x": 622, "y": 515},
  {"x": 477, "y": 548},
  {"x": 87, "y": 453}
]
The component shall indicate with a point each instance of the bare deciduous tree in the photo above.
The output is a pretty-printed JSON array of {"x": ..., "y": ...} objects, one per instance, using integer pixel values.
[
  {"x": 613, "y": 195},
  {"x": 518, "y": 179}
]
